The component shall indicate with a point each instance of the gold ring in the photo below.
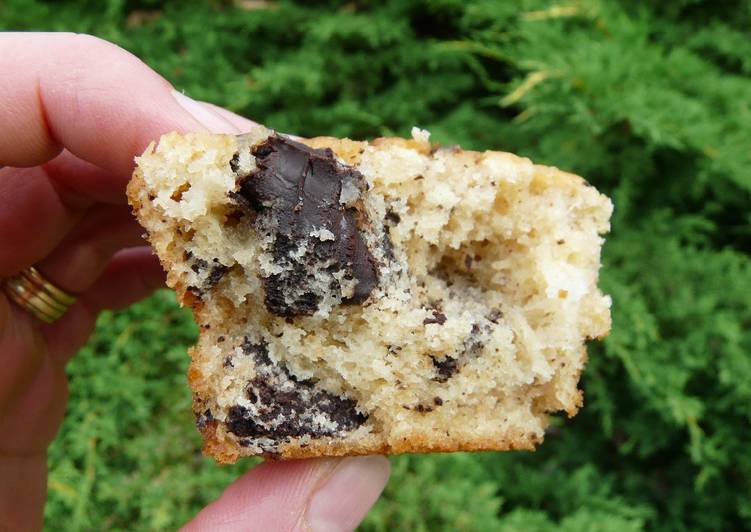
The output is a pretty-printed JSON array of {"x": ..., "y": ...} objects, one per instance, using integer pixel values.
[{"x": 31, "y": 291}]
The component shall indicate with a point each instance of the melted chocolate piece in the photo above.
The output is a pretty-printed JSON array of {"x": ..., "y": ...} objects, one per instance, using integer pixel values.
[
  {"x": 296, "y": 191},
  {"x": 287, "y": 407}
]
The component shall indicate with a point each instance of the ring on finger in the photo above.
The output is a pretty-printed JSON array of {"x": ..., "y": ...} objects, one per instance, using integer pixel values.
[{"x": 34, "y": 293}]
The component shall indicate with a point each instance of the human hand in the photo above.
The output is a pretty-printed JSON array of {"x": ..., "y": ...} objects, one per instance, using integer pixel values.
[{"x": 75, "y": 110}]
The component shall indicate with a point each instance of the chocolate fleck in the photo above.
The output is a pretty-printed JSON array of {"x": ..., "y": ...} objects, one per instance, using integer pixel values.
[
  {"x": 298, "y": 191},
  {"x": 216, "y": 272},
  {"x": 204, "y": 419},
  {"x": 438, "y": 317},
  {"x": 495, "y": 315},
  {"x": 437, "y": 401},
  {"x": 197, "y": 292},
  {"x": 387, "y": 244},
  {"x": 234, "y": 163},
  {"x": 471, "y": 347},
  {"x": 215, "y": 275},
  {"x": 199, "y": 265}
]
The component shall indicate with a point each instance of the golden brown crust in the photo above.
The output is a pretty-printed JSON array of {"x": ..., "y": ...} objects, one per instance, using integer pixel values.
[
  {"x": 227, "y": 452},
  {"x": 347, "y": 150}
]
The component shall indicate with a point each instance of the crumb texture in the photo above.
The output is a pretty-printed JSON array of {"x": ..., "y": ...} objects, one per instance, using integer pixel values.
[{"x": 384, "y": 296}]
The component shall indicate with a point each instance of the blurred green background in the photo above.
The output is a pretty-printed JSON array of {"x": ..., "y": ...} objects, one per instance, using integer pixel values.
[{"x": 649, "y": 100}]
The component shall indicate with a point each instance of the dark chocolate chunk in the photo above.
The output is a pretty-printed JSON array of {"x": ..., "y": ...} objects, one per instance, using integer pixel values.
[
  {"x": 239, "y": 199},
  {"x": 239, "y": 421},
  {"x": 296, "y": 191},
  {"x": 286, "y": 406},
  {"x": 292, "y": 413},
  {"x": 445, "y": 368},
  {"x": 438, "y": 317}
]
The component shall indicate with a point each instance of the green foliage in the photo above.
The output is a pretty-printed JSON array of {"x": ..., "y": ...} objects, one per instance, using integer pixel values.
[
  {"x": 127, "y": 455},
  {"x": 648, "y": 100}
]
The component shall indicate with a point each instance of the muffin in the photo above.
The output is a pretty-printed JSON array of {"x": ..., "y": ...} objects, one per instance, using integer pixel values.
[{"x": 382, "y": 297}]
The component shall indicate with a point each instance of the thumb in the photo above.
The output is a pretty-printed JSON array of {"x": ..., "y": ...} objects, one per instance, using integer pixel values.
[{"x": 318, "y": 494}]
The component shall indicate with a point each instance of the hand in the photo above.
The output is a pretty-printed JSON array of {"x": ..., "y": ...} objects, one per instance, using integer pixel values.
[{"x": 74, "y": 111}]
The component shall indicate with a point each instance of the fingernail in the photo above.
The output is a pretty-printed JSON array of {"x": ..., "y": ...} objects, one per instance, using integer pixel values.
[
  {"x": 204, "y": 115},
  {"x": 347, "y": 495}
]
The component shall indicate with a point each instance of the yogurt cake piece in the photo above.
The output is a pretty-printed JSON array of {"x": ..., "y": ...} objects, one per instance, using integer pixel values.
[{"x": 374, "y": 297}]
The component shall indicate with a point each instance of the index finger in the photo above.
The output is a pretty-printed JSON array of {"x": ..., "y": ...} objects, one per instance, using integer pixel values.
[{"x": 64, "y": 90}]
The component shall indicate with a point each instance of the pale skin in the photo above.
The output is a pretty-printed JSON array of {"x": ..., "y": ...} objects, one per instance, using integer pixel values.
[{"x": 74, "y": 111}]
